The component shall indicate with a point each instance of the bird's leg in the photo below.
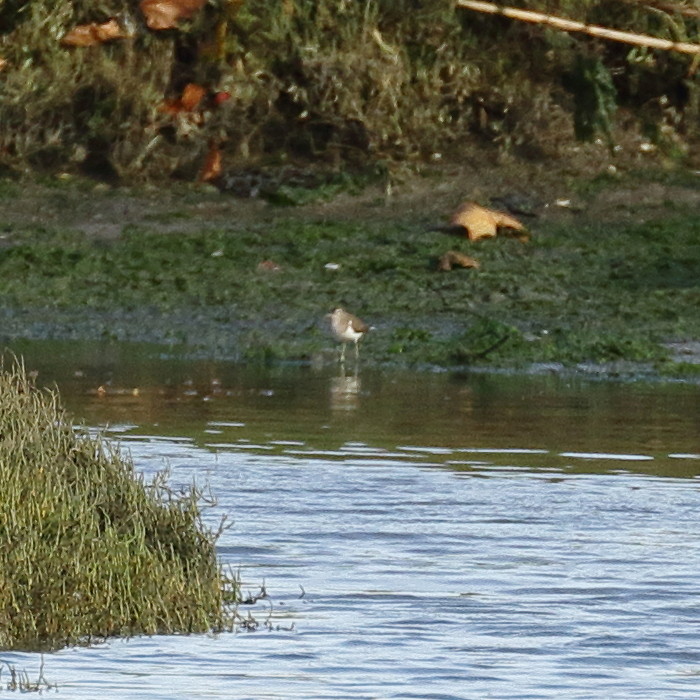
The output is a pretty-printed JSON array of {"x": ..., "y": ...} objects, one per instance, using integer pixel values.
[
  {"x": 357, "y": 351},
  {"x": 342, "y": 355}
]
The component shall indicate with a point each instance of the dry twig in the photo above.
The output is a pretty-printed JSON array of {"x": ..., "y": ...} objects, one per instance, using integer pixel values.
[{"x": 568, "y": 25}]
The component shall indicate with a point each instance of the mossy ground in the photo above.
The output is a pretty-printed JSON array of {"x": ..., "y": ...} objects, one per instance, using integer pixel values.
[{"x": 614, "y": 282}]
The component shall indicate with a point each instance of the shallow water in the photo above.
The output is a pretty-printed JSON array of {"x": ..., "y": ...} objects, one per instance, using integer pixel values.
[{"x": 419, "y": 535}]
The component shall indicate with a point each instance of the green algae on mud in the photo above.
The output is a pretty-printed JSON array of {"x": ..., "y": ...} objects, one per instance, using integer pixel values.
[{"x": 581, "y": 291}]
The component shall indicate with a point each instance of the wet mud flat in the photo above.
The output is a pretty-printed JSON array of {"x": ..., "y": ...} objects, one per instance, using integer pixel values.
[{"x": 608, "y": 283}]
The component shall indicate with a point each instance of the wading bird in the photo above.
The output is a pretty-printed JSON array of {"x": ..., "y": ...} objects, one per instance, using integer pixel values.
[{"x": 347, "y": 328}]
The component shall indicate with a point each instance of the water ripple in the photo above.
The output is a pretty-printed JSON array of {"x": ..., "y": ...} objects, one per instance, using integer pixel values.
[{"x": 473, "y": 569}]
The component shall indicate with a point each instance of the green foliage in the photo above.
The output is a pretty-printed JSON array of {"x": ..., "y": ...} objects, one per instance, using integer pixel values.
[
  {"x": 594, "y": 94},
  {"x": 91, "y": 550},
  {"x": 596, "y": 344},
  {"x": 680, "y": 369},
  {"x": 483, "y": 338},
  {"x": 405, "y": 339},
  {"x": 338, "y": 82},
  {"x": 57, "y": 101}
]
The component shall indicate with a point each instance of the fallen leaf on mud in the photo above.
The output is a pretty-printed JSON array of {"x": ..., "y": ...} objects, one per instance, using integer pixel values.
[
  {"x": 93, "y": 34},
  {"x": 480, "y": 222},
  {"x": 212, "y": 167},
  {"x": 192, "y": 95},
  {"x": 268, "y": 266},
  {"x": 454, "y": 257},
  {"x": 165, "y": 14}
]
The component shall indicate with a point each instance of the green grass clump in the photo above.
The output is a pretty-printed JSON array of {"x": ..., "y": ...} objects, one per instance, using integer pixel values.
[{"x": 88, "y": 549}]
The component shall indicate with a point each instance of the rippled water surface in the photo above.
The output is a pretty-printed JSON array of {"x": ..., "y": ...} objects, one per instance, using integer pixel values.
[{"x": 419, "y": 535}]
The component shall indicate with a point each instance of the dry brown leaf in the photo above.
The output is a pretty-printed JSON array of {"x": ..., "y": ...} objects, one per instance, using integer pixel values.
[
  {"x": 268, "y": 266},
  {"x": 3, "y": 63},
  {"x": 480, "y": 222},
  {"x": 192, "y": 95},
  {"x": 193, "y": 98},
  {"x": 454, "y": 257},
  {"x": 165, "y": 14},
  {"x": 93, "y": 34},
  {"x": 212, "y": 167}
]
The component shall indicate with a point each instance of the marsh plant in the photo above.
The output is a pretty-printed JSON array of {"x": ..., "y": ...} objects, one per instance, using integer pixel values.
[
  {"x": 89, "y": 549},
  {"x": 334, "y": 81},
  {"x": 16, "y": 680}
]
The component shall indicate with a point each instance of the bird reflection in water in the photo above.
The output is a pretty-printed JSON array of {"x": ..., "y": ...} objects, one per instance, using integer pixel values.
[{"x": 344, "y": 391}]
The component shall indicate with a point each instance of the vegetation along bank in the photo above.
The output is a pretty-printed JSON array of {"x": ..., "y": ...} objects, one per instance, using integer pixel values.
[{"x": 91, "y": 549}]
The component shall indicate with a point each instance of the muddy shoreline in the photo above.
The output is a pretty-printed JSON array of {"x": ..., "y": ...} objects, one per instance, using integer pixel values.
[
  {"x": 607, "y": 287},
  {"x": 207, "y": 338}
]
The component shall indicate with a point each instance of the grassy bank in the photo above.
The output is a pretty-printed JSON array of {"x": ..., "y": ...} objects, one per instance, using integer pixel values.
[
  {"x": 583, "y": 289},
  {"x": 369, "y": 84},
  {"x": 90, "y": 550}
]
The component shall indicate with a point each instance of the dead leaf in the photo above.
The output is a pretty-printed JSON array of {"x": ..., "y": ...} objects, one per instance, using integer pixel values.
[
  {"x": 3, "y": 63},
  {"x": 165, "y": 14},
  {"x": 193, "y": 98},
  {"x": 268, "y": 266},
  {"x": 192, "y": 95},
  {"x": 480, "y": 222},
  {"x": 454, "y": 257},
  {"x": 211, "y": 170},
  {"x": 93, "y": 34}
]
